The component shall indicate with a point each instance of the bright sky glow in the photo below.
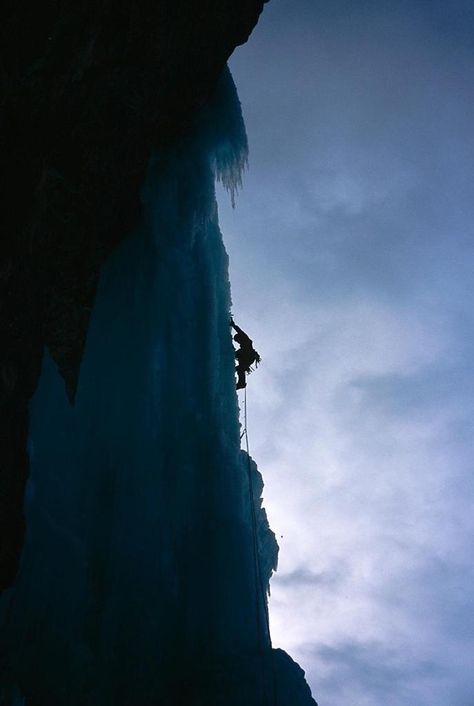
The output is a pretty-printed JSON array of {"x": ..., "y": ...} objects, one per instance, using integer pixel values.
[{"x": 352, "y": 253}]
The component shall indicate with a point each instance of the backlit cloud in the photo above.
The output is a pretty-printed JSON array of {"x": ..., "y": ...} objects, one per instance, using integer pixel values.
[{"x": 351, "y": 253}]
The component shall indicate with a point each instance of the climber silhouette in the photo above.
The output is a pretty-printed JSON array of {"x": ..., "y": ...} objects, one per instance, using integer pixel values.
[{"x": 246, "y": 355}]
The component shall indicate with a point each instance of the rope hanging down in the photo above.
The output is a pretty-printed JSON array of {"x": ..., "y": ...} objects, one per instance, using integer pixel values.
[{"x": 260, "y": 593}]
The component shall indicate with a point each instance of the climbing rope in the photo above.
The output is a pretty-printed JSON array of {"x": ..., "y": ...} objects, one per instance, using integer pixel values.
[{"x": 260, "y": 592}]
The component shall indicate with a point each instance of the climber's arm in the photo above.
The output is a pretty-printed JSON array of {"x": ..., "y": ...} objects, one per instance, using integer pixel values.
[{"x": 235, "y": 327}]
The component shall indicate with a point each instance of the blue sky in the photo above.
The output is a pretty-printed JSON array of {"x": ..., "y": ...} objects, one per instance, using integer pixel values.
[{"x": 352, "y": 253}]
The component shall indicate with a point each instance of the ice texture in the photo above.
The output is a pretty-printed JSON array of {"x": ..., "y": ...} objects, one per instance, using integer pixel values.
[{"x": 138, "y": 582}]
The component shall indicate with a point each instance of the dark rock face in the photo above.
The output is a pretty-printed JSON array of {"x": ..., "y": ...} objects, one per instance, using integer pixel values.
[{"x": 88, "y": 89}]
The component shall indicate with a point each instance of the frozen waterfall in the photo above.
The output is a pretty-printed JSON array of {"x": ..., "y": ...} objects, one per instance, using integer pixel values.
[{"x": 137, "y": 580}]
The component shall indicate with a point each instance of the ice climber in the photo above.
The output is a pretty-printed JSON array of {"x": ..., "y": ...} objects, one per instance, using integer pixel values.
[{"x": 246, "y": 355}]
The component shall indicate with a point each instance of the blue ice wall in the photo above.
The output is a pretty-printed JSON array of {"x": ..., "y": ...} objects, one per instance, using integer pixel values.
[{"x": 137, "y": 582}]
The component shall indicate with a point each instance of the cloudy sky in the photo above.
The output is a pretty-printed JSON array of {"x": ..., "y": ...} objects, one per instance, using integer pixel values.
[{"x": 352, "y": 250}]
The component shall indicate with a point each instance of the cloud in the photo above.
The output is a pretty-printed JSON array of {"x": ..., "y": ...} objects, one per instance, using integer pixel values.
[
  {"x": 363, "y": 480},
  {"x": 370, "y": 674},
  {"x": 305, "y": 577},
  {"x": 351, "y": 253}
]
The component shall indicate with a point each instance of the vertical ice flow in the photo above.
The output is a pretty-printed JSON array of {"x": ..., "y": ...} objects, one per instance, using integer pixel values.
[{"x": 137, "y": 581}]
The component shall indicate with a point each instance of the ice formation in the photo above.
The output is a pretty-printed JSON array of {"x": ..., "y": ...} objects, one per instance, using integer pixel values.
[{"x": 137, "y": 582}]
